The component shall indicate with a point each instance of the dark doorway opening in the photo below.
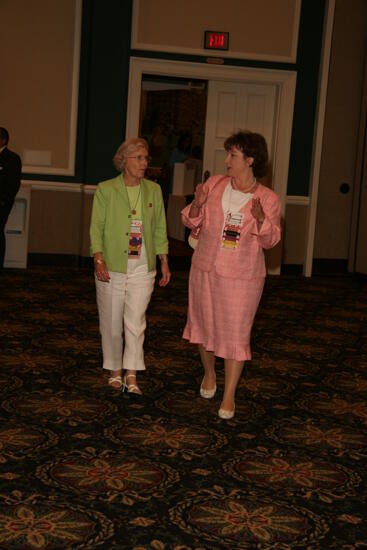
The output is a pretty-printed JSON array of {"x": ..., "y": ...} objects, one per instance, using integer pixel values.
[{"x": 172, "y": 120}]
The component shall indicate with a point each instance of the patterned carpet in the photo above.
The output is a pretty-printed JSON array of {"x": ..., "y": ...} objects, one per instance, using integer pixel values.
[{"x": 83, "y": 466}]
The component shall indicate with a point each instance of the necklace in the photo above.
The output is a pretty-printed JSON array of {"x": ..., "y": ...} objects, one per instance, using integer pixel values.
[
  {"x": 234, "y": 186},
  {"x": 133, "y": 210}
]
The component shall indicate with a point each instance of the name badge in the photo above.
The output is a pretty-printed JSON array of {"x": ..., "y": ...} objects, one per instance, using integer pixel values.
[
  {"x": 232, "y": 230},
  {"x": 135, "y": 239}
]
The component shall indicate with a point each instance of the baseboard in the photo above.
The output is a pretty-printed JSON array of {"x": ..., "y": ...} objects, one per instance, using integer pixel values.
[
  {"x": 177, "y": 263},
  {"x": 320, "y": 266},
  {"x": 323, "y": 266},
  {"x": 54, "y": 260},
  {"x": 182, "y": 263},
  {"x": 291, "y": 269}
]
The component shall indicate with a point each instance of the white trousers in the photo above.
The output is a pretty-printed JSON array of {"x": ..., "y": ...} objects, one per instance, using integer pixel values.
[{"x": 122, "y": 304}]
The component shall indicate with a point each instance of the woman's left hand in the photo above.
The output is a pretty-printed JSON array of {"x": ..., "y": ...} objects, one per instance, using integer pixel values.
[
  {"x": 257, "y": 210},
  {"x": 166, "y": 274}
]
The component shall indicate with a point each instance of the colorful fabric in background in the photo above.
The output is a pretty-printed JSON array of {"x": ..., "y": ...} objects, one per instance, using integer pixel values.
[{"x": 83, "y": 467}]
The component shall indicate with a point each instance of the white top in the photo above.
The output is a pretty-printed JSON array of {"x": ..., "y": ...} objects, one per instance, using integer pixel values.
[{"x": 233, "y": 200}]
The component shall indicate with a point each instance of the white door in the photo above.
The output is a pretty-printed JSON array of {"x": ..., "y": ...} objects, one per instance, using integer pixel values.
[{"x": 233, "y": 106}]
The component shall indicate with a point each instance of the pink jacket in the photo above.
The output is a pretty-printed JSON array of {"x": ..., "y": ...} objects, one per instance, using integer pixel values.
[{"x": 247, "y": 260}]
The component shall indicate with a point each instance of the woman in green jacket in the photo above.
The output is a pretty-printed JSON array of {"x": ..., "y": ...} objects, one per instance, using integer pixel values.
[{"x": 127, "y": 232}]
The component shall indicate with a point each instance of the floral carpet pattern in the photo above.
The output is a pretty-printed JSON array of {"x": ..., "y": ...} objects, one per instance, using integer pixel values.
[{"x": 83, "y": 466}]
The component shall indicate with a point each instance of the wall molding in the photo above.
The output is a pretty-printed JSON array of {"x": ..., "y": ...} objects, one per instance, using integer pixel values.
[
  {"x": 90, "y": 189},
  {"x": 298, "y": 200},
  {"x": 53, "y": 186}
]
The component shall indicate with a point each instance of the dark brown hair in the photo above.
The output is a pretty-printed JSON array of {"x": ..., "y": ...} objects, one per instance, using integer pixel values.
[{"x": 252, "y": 145}]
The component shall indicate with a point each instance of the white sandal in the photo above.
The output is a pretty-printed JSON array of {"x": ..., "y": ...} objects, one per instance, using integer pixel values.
[
  {"x": 130, "y": 388},
  {"x": 113, "y": 379}
]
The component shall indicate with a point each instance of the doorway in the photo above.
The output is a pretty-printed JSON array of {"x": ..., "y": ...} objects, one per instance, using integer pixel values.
[
  {"x": 282, "y": 82},
  {"x": 172, "y": 120}
]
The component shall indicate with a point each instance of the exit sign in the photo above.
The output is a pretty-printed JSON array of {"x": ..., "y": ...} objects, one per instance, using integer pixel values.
[{"x": 214, "y": 40}]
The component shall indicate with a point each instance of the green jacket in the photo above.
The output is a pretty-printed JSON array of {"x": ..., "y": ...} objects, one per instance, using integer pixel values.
[{"x": 110, "y": 223}]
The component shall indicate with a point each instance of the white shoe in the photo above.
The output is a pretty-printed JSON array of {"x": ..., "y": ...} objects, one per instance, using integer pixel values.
[
  {"x": 226, "y": 415},
  {"x": 207, "y": 394}
]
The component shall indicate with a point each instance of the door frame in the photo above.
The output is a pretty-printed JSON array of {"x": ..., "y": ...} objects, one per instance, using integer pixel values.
[
  {"x": 359, "y": 183},
  {"x": 284, "y": 80}
]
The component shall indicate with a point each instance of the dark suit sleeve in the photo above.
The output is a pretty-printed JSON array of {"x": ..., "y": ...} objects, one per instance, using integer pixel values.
[{"x": 10, "y": 177}]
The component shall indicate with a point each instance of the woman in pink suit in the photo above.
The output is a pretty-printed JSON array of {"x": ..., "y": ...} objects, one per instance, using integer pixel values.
[{"x": 238, "y": 218}]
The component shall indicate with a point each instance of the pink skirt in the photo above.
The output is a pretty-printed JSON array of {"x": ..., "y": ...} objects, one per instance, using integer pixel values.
[{"x": 221, "y": 313}]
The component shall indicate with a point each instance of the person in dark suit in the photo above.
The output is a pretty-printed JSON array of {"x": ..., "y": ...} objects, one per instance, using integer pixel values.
[{"x": 10, "y": 172}]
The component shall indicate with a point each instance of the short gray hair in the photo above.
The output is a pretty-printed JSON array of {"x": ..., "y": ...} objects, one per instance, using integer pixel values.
[{"x": 126, "y": 149}]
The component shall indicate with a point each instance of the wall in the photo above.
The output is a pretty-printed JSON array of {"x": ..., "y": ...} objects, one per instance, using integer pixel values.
[
  {"x": 342, "y": 119},
  {"x": 269, "y": 41},
  {"x": 36, "y": 96},
  {"x": 104, "y": 68},
  {"x": 60, "y": 218},
  {"x": 55, "y": 225},
  {"x": 294, "y": 230},
  {"x": 166, "y": 26}
]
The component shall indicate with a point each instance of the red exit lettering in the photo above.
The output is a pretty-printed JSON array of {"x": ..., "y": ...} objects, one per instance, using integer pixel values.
[{"x": 216, "y": 40}]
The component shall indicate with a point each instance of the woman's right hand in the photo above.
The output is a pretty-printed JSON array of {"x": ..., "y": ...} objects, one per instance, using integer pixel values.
[
  {"x": 201, "y": 194},
  {"x": 101, "y": 270}
]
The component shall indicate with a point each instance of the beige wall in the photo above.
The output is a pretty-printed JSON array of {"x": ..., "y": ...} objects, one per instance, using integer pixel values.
[
  {"x": 59, "y": 224},
  {"x": 59, "y": 219},
  {"x": 294, "y": 234},
  {"x": 174, "y": 25},
  {"x": 37, "y": 59},
  {"x": 55, "y": 225},
  {"x": 39, "y": 89}
]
